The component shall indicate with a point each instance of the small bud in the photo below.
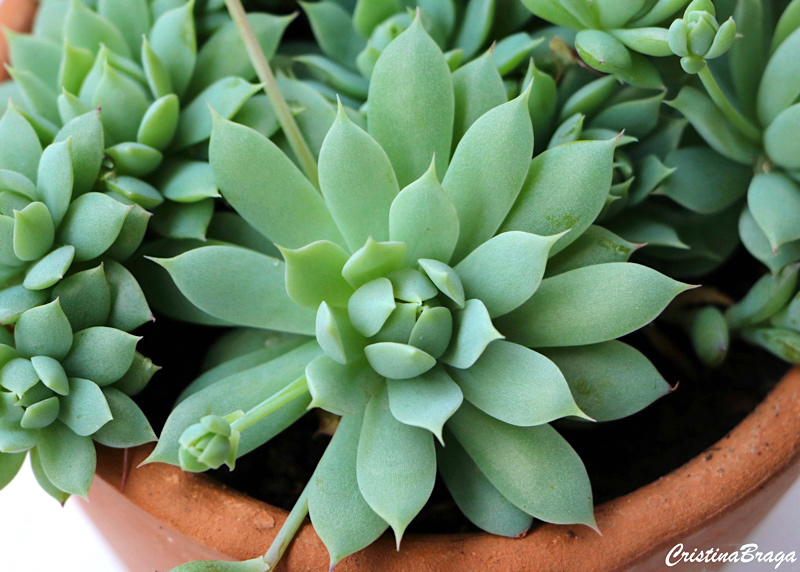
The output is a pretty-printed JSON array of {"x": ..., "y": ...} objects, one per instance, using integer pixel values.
[
  {"x": 698, "y": 37},
  {"x": 210, "y": 443}
]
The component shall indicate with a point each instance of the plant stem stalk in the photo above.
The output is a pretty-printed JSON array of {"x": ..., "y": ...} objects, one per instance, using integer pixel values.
[
  {"x": 287, "y": 532},
  {"x": 301, "y": 149},
  {"x": 739, "y": 121},
  {"x": 272, "y": 403}
]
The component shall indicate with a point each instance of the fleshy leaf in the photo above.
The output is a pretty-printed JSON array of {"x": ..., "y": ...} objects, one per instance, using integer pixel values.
[
  {"x": 505, "y": 271},
  {"x": 432, "y": 331},
  {"x": 68, "y": 460},
  {"x": 774, "y": 201},
  {"x": 516, "y": 385},
  {"x": 475, "y": 496},
  {"x": 55, "y": 179},
  {"x": 370, "y": 306},
  {"x": 14, "y": 300},
  {"x": 41, "y": 478},
  {"x": 129, "y": 426},
  {"x": 783, "y": 343},
  {"x": 780, "y": 138},
  {"x": 426, "y": 401},
  {"x": 357, "y": 181},
  {"x": 566, "y": 189},
  {"x": 87, "y": 29},
  {"x": 445, "y": 279},
  {"x": 478, "y": 88},
  {"x": 547, "y": 479},
  {"x": 412, "y": 285},
  {"x": 373, "y": 260},
  {"x": 476, "y": 26},
  {"x": 396, "y": 465},
  {"x": 129, "y": 308},
  {"x": 124, "y": 103},
  {"x": 590, "y": 305},
  {"x": 85, "y": 298},
  {"x": 49, "y": 269},
  {"x": 780, "y": 86},
  {"x": 610, "y": 380},
  {"x": 488, "y": 170},
  {"x": 10, "y": 464},
  {"x": 254, "y": 565},
  {"x": 410, "y": 113},
  {"x": 398, "y": 361},
  {"x": 214, "y": 279},
  {"x": 336, "y": 335},
  {"x": 314, "y": 274},
  {"x": 758, "y": 244},
  {"x": 424, "y": 219},
  {"x": 173, "y": 40},
  {"x": 101, "y": 354},
  {"x": 595, "y": 246},
  {"x": 51, "y": 374},
  {"x": 88, "y": 144},
  {"x": 340, "y": 389},
  {"x": 33, "y": 232},
  {"x": 92, "y": 224},
  {"x": 44, "y": 331},
  {"x": 134, "y": 159},
  {"x": 186, "y": 181},
  {"x": 266, "y": 188},
  {"x": 764, "y": 299},
  {"x": 20, "y": 148},
  {"x": 84, "y": 409},
  {"x": 160, "y": 122},
  {"x": 473, "y": 333}
]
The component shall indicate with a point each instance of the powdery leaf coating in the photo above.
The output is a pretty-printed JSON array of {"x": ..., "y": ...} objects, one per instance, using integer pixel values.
[
  {"x": 774, "y": 202},
  {"x": 84, "y": 409},
  {"x": 68, "y": 460}
]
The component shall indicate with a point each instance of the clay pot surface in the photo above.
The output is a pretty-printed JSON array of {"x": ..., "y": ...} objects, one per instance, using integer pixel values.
[{"x": 165, "y": 516}]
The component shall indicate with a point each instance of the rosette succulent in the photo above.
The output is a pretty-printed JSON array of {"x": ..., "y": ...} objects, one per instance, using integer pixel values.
[
  {"x": 409, "y": 298},
  {"x": 753, "y": 130}
]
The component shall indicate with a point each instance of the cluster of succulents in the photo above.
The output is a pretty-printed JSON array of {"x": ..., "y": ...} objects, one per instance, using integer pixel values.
[{"x": 425, "y": 231}]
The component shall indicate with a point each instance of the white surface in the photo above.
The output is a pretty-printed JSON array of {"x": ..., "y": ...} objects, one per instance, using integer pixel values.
[{"x": 37, "y": 535}]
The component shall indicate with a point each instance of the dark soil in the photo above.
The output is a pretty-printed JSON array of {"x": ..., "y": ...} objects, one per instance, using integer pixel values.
[{"x": 620, "y": 456}]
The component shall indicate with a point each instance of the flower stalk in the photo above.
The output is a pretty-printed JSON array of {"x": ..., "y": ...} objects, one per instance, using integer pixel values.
[
  {"x": 739, "y": 121},
  {"x": 272, "y": 404}
]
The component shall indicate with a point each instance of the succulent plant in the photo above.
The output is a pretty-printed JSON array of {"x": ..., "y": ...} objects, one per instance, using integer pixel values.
[
  {"x": 754, "y": 135},
  {"x": 410, "y": 293}
]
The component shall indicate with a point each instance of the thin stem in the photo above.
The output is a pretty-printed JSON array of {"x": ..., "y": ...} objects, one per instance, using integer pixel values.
[
  {"x": 285, "y": 117},
  {"x": 290, "y": 527},
  {"x": 272, "y": 403},
  {"x": 739, "y": 121}
]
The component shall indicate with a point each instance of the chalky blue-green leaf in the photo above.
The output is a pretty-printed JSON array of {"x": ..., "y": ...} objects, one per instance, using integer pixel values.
[
  {"x": 478, "y": 88},
  {"x": 474, "y": 31},
  {"x": 780, "y": 138},
  {"x": 267, "y": 189},
  {"x": 342, "y": 518},
  {"x": 314, "y": 275},
  {"x": 10, "y": 464},
  {"x": 49, "y": 269},
  {"x": 488, "y": 170},
  {"x": 39, "y": 99},
  {"x": 765, "y": 298},
  {"x": 55, "y": 179},
  {"x": 473, "y": 332},
  {"x": 101, "y": 354},
  {"x": 239, "y": 286},
  {"x": 780, "y": 84},
  {"x": 546, "y": 478},
  {"x": 609, "y": 380},
  {"x": 396, "y": 465},
  {"x": 757, "y": 243},
  {"x": 20, "y": 148},
  {"x": 84, "y": 409},
  {"x": 124, "y": 104},
  {"x": 14, "y": 300},
  {"x": 131, "y": 19},
  {"x": 774, "y": 201},
  {"x": 43, "y": 331},
  {"x": 92, "y": 224},
  {"x": 427, "y": 401},
  {"x": 85, "y": 298},
  {"x": 39, "y": 55},
  {"x": 173, "y": 40},
  {"x": 340, "y": 389},
  {"x": 85, "y": 28},
  {"x": 476, "y": 496},
  {"x": 88, "y": 144},
  {"x": 357, "y": 181},
  {"x": 516, "y": 385},
  {"x": 590, "y": 305},
  {"x": 411, "y": 114},
  {"x": 34, "y": 232},
  {"x": 129, "y": 426},
  {"x": 332, "y": 26},
  {"x": 566, "y": 189},
  {"x": 68, "y": 460},
  {"x": 595, "y": 246}
]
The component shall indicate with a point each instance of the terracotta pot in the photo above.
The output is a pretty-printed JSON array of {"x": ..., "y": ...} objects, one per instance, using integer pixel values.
[
  {"x": 165, "y": 517},
  {"x": 17, "y": 15}
]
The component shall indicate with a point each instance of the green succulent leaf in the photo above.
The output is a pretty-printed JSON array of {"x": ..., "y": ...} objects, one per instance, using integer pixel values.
[
  {"x": 159, "y": 123},
  {"x": 33, "y": 232},
  {"x": 132, "y": 20},
  {"x": 574, "y": 17},
  {"x": 547, "y": 479},
  {"x": 395, "y": 465},
  {"x": 224, "y": 53},
  {"x": 336, "y": 334},
  {"x": 85, "y": 298},
  {"x": 44, "y": 482},
  {"x": 488, "y": 170},
  {"x": 124, "y": 104},
  {"x": 505, "y": 271},
  {"x": 138, "y": 375},
  {"x": 710, "y": 336},
  {"x": 424, "y": 219},
  {"x": 56, "y": 179},
  {"x": 357, "y": 181},
  {"x": 129, "y": 426},
  {"x": 566, "y": 189},
  {"x": 595, "y": 246},
  {"x": 314, "y": 275},
  {"x": 20, "y": 149},
  {"x": 156, "y": 72},
  {"x": 241, "y": 391},
  {"x": 68, "y": 460},
  {"x": 13, "y": 438},
  {"x": 412, "y": 285},
  {"x": 788, "y": 22},
  {"x": 712, "y": 125},
  {"x": 342, "y": 518},
  {"x": 51, "y": 374},
  {"x": 780, "y": 138},
  {"x": 398, "y": 361},
  {"x": 516, "y": 385},
  {"x": 134, "y": 159},
  {"x": 783, "y": 343},
  {"x": 15, "y": 300},
  {"x": 175, "y": 220},
  {"x": 610, "y": 380},
  {"x": 475, "y": 496},
  {"x": 37, "y": 54},
  {"x": 478, "y": 88},
  {"x": 590, "y": 305},
  {"x": 50, "y": 269},
  {"x": 371, "y": 305},
  {"x": 590, "y": 98},
  {"x": 84, "y": 409},
  {"x": 85, "y": 28},
  {"x": 331, "y": 25},
  {"x": 186, "y": 181},
  {"x": 374, "y": 260},
  {"x": 266, "y": 188},
  {"x": 758, "y": 244},
  {"x": 88, "y": 145},
  {"x": 475, "y": 28},
  {"x": 239, "y": 286},
  {"x": 411, "y": 114},
  {"x": 766, "y": 297},
  {"x": 101, "y": 354},
  {"x": 10, "y": 464},
  {"x": 369, "y": 13},
  {"x": 427, "y": 401},
  {"x": 173, "y": 40},
  {"x": 44, "y": 331},
  {"x": 400, "y": 325},
  {"x": 92, "y": 224},
  {"x": 37, "y": 96},
  {"x": 474, "y": 331},
  {"x": 340, "y": 389},
  {"x": 724, "y": 182},
  {"x": 774, "y": 201}
]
